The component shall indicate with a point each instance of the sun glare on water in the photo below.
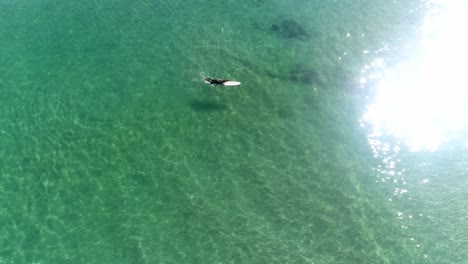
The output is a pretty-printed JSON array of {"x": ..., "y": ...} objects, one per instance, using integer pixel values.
[{"x": 423, "y": 101}]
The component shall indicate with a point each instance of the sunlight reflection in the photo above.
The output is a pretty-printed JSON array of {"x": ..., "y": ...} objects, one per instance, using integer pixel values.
[{"x": 424, "y": 100}]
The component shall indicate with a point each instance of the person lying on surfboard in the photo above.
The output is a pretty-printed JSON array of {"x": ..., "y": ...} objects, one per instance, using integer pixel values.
[{"x": 221, "y": 82}]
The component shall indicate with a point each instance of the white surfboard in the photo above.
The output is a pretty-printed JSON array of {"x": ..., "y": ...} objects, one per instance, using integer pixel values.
[{"x": 231, "y": 83}]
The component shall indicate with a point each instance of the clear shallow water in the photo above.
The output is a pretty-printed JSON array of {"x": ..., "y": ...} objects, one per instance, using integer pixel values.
[{"x": 112, "y": 149}]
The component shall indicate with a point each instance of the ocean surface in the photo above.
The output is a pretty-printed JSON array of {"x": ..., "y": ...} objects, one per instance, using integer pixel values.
[{"x": 114, "y": 150}]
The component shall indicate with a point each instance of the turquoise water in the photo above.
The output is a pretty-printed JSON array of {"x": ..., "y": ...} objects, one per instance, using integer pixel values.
[{"x": 113, "y": 150}]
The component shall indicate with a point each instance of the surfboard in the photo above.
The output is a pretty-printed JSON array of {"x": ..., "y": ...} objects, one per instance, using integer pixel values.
[{"x": 231, "y": 83}]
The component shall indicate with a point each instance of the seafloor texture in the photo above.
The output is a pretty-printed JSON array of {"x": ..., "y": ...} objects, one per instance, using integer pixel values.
[{"x": 113, "y": 150}]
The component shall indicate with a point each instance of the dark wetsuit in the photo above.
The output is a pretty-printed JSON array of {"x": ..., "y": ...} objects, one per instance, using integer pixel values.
[{"x": 215, "y": 81}]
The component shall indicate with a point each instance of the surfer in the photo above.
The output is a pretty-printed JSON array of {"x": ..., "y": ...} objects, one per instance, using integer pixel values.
[
  {"x": 215, "y": 81},
  {"x": 221, "y": 82}
]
